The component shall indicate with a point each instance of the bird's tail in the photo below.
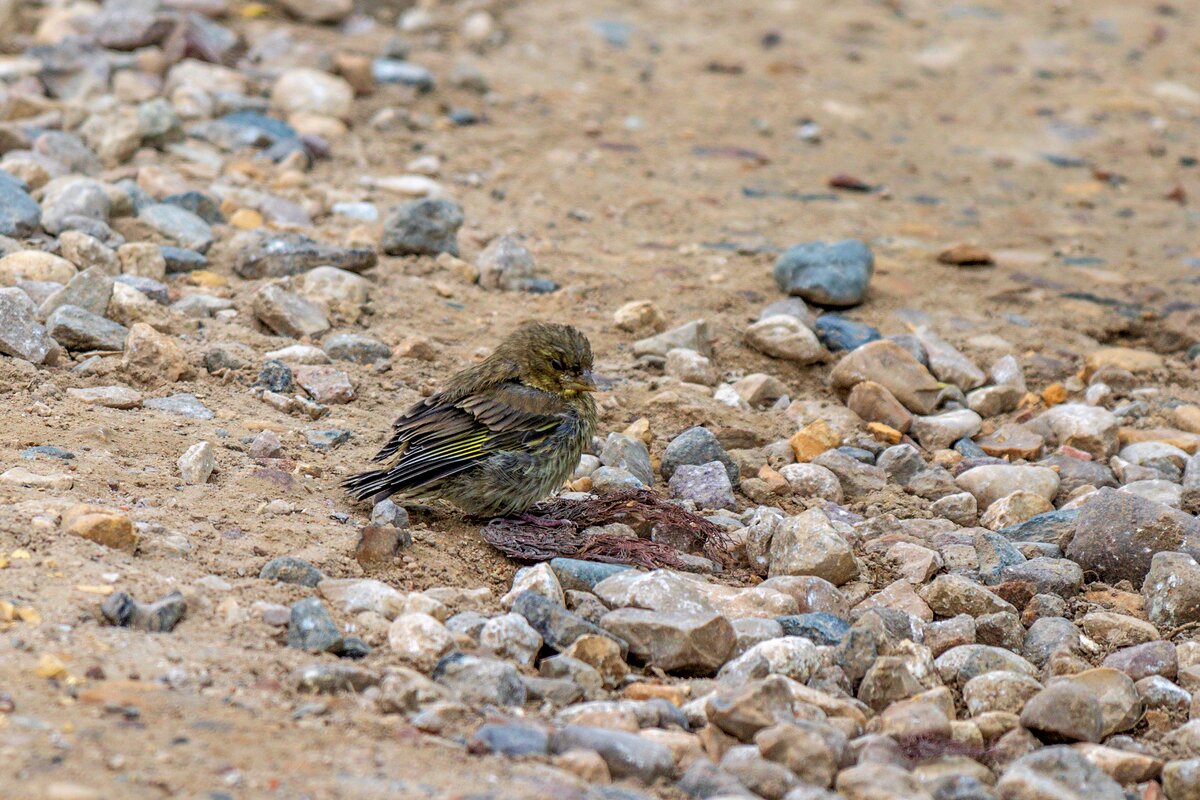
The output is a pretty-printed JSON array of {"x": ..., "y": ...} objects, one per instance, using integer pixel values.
[{"x": 367, "y": 485}]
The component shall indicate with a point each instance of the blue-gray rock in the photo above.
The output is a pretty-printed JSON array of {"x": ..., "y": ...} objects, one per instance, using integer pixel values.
[
  {"x": 826, "y": 274},
  {"x": 696, "y": 446},
  {"x": 581, "y": 575},
  {"x": 614, "y": 479},
  {"x": 90, "y": 290},
  {"x": 354, "y": 647},
  {"x": 707, "y": 485},
  {"x": 838, "y": 333},
  {"x": 356, "y": 348},
  {"x": 788, "y": 307},
  {"x": 969, "y": 449},
  {"x": 180, "y": 259},
  {"x": 626, "y": 754},
  {"x": 292, "y": 253},
  {"x": 820, "y": 627},
  {"x": 47, "y": 450},
  {"x": 311, "y": 628},
  {"x": 158, "y": 123},
  {"x": 913, "y": 345},
  {"x": 423, "y": 228},
  {"x": 325, "y": 440},
  {"x": 481, "y": 681},
  {"x": 268, "y": 127},
  {"x": 183, "y": 404},
  {"x": 77, "y": 329},
  {"x": 995, "y": 554},
  {"x": 704, "y": 779},
  {"x": 203, "y": 206},
  {"x": 558, "y": 627},
  {"x": 1058, "y": 576},
  {"x": 1049, "y": 527},
  {"x": 20, "y": 214},
  {"x": 83, "y": 198},
  {"x": 276, "y": 376},
  {"x": 390, "y": 70},
  {"x": 511, "y": 739},
  {"x": 68, "y": 149},
  {"x": 179, "y": 225},
  {"x": 630, "y": 454},
  {"x": 288, "y": 569}
]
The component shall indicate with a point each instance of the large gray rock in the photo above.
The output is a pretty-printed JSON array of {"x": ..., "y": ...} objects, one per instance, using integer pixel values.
[
  {"x": 1172, "y": 590},
  {"x": 827, "y": 274},
  {"x": 1118, "y": 534},
  {"x": 1057, "y": 773},
  {"x": 179, "y": 225},
  {"x": 695, "y": 643},
  {"x": 20, "y": 215},
  {"x": 696, "y": 446}
]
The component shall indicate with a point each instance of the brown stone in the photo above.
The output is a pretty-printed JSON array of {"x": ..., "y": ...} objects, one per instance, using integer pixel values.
[
  {"x": 1184, "y": 440},
  {"x": 101, "y": 525},
  {"x": 874, "y": 403},
  {"x": 1012, "y": 441},
  {"x": 1127, "y": 358},
  {"x": 379, "y": 544},
  {"x": 151, "y": 357},
  {"x": 887, "y": 363},
  {"x": 965, "y": 255}
]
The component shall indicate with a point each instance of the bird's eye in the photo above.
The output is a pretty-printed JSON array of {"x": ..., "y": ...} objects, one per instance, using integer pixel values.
[{"x": 558, "y": 365}]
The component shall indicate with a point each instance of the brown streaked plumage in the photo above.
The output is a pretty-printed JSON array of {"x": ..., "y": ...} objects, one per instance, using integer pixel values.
[{"x": 502, "y": 435}]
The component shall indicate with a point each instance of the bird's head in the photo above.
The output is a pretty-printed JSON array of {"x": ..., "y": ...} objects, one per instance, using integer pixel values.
[{"x": 551, "y": 357}]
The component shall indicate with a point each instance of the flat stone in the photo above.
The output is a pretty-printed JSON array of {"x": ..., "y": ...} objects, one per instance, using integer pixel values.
[
  {"x": 101, "y": 525},
  {"x": 283, "y": 254},
  {"x": 670, "y": 591},
  {"x": 692, "y": 335},
  {"x": 1011, "y": 441},
  {"x": 1014, "y": 509},
  {"x": 77, "y": 329},
  {"x": 626, "y": 754},
  {"x": 288, "y": 569},
  {"x": 838, "y": 333},
  {"x": 696, "y": 446},
  {"x": 325, "y": 385},
  {"x": 940, "y": 431},
  {"x": 179, "y": 225},
  {"x": 990, "y": 482},
  {"x": 183, "y": 404},
  {"x": 356, "y": 348}
]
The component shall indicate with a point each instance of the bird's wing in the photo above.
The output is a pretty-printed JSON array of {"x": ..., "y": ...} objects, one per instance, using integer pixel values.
[{"x": 442, "y": 438}]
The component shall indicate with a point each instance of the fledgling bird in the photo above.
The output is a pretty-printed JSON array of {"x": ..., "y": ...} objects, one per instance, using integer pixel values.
[{"x": 502, "y": 435}]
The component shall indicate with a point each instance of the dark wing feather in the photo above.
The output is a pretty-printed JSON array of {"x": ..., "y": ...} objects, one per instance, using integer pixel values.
[{"x": 438, "y": 439}]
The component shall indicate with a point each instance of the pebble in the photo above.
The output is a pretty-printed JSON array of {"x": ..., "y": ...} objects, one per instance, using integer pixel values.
[
  {"x": 289, "y": 569},
  {"x": 990, "y": 482},
  {"x": 692, "y": 643},
  {"x": 515, "y": 739},
  {"x": 1063, "y": 712},
  {"x": 785, "y": 337},
  {"x": 303, "y": 89},
  {"x": 423, "y": 227},
  {"x": 639, "y": 315},
  {"x": 940, "y": 431},
  {"x": 947, "y": 363},
  {"x": 288, "y": 314},
  {"x": 325, "y": 385},
  {"x": 808, "y": 544},
  {"x": 107, "y": 396},
  {"x": 826, "y": 274},
  {"x": 557, "y": 627},
  {"x": 507, "y": 264},
  {"x": 1059, "y": 772},
  {"x": 197, "y": 463},
  {"x": 694, "y": 336},
  {"x": 101, "y": 525},
  {"x": 1083, "y": 427},
  {"x": 152, "y": 358},
  {"x": 181, "y": 226},
  {"x": 511, "y": 637},
  {"x": 1171, "y": 591},
  {"x": 183, "y": 405},
  {"x": 20, "y": 215},
  {"x": 390, "y": 70}
]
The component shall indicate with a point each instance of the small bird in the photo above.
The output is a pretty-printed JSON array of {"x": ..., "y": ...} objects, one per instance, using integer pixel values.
[{"x": 502, "y": 435}]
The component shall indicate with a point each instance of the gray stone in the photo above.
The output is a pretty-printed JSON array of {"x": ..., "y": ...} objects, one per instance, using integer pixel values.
[
  {"x": 1172, "y": 590},
  {"x": 288, "y": 569},
  {"x": 1048, "y": 636},
  {"x": 630, "y": 454},
  {"x": 1064, "y": 712},
  {"x": 583, "y": 575},
  {"x": 183, "y": 404},
  {"x": 20, "y": 215},
  {"x": 693, "y": 643},
  {"x": 1118, "y": 534},
  {"x": 312, "y": 629},
  {"x": 289, "y": 314},
  {"x": 161, "y": 616},
  {"x": 808, "y": 544},
  {"x": 558, "y": 627},
  {"x": 1057, "y": 773},
  {"x": 707, "y": 485},
  {"x": 626, "y": 754},
  {"x": 89, "y": 290},
  {"x": 696, "y": 446},
  {"x": 179, "y": 225},
  {"x": 510, "y": 739},
  {"x": 481, "y": 681},
  {"x": 286, "y": 254},
  {"x": 826, "y": 274},
  {"x": 21, "y": 336},
  {"x": 423, "y": 227},
  {"x": 356, "y": 348},
  {"x": 692, "y": 335},
  {"x": 77, "y": 329}
]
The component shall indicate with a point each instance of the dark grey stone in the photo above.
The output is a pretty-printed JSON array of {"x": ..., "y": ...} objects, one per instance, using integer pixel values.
[
  {"x": 423, "y": 228},
  {"x": 826, "y": 274},
  {"x": 288, "y": 569}
]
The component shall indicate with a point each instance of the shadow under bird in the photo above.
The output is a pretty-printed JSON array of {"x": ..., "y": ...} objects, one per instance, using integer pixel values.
[{"x": 501, "y": 435}]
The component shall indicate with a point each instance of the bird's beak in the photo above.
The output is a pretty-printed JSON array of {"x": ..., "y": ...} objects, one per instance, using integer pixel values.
[{"x": 584, "y": 382}]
